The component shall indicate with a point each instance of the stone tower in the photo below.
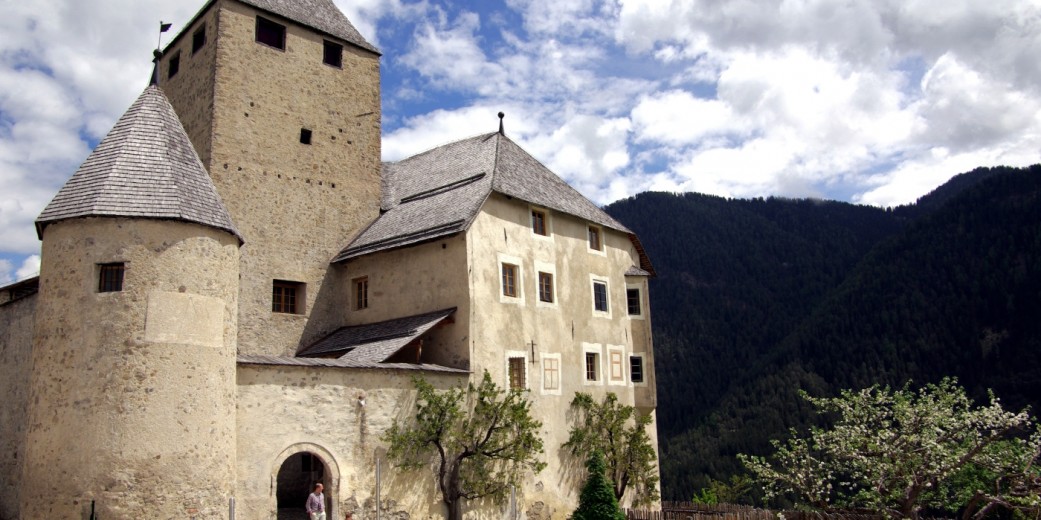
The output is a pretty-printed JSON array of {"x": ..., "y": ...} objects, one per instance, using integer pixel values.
[
  {"x": 132, "y": 386},
  {"x": 281, "y": 99}
]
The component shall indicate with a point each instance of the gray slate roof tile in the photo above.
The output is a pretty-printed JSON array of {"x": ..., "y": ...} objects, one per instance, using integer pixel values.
[
  {"x": 440, "y": 192},
  {"x": 375, "y": 342},
  {"x": 144, "y": 168}
]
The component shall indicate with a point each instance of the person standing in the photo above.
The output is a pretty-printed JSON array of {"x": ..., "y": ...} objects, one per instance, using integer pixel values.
[{"x": 316, "y": 503}]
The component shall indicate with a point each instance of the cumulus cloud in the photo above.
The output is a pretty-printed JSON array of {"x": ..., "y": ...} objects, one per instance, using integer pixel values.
[{"x": 875, "y": 101}]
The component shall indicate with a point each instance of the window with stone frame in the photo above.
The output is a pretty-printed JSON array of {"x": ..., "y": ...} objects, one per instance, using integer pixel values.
[
  {"x": 636, "y": 369},
  {"x": 361, "y": 293},
  {"x": 546, "y": 287},
  {"x": 287, "y": 297},
  {"x": 592, "y": 366},
  {"x": 600, "y": 296},
  {"x": 518, "y": 379},
  {"x": 632, "y": 300},
  {"x": 510, "y": 274},
  {"x": 551, "y": 373}
]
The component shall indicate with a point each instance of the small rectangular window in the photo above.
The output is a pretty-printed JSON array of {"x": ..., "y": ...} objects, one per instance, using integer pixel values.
[
  {"x": 287, "y": 297},
  {"x": 546, "y": 287},
  {"x": 632, "y": 299},
  {"x": 198, "y": 39},
  {"x": 174, "y": 65},
  {"x": 361, "y": 293},
  {"x": 600, "y": 296},
  {"x": 509, "y": 280},
  {"x": 517, "y": 379},
  {"x": 550, "y": 373},
  {"x": 592, "y": 366},
  {"x": 305, "y": 136},
  {"x": 110, "y": 277},
  {"x": 271, "y": 33},
  {"x": 538, "y": 222},
  {"x": 636, "y": 369},
  {"x": 332, "y": 54},
  {"x": 594, "y": 239}
]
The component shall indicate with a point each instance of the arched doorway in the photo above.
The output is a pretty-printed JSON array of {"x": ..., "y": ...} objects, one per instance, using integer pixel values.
[{"x": 301, "y": 467}]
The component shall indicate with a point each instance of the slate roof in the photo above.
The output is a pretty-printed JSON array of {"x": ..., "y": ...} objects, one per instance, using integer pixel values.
[
  {"x": 144, "y": 168},
  {"x": 375, "y": 342},
  {"x": 259, "y": 359},
  {"x": 322, "y": 15},
  {"x": 440, "y": 192}
]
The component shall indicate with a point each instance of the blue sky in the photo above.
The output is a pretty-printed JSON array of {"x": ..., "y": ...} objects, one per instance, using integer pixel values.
[{"x": 868, "y": 101}]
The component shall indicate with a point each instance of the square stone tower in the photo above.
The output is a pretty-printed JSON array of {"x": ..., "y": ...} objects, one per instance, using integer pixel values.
[{"x": 281, "y": 99}]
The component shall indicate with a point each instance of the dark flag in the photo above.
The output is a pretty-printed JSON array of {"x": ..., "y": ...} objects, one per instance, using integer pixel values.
[{"x": 163, "y": 27}]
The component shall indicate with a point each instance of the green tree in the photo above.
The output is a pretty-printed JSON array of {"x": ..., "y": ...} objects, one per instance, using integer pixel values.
[
  {"x": 480, "y": 439},
  {"x": 619, "y": 432},
  {"x": 898, "y": 452},
  {"x": 597, "y": 500}
]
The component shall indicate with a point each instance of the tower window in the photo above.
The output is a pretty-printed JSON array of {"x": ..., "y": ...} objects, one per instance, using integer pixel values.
[
  {"x": 271, "y": 33},
  {"x": 287, "y": 297},
  {"x": 110, "y": 277},
  {"x": 198, "y": 39},
  {"x": 174, "y": 65},
  {"x": 594, "y": 239},
  {"x": 305, "y": 136},
  {"x": 332, "y": 54}
]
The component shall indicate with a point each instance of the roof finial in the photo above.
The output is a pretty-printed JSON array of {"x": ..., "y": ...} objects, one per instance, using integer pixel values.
[
  {"x": 157, "y": 54},
  {"x": 501, "y": 131}
]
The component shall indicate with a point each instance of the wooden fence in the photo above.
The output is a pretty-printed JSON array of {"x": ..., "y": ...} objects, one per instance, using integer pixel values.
[{"x": 693, "y": 511}]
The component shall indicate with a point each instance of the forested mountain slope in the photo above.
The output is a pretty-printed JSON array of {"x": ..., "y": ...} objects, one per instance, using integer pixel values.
[{"x": 756, "y": 299}]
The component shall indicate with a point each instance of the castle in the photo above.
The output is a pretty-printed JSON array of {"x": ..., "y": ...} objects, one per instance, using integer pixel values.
[{"x": 235, "y": 293}]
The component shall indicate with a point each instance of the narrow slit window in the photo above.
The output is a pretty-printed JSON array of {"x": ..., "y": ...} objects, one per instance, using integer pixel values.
[
  {"x": 305, "y": 136},
  {"x": 198, "y": 39},
  {"x": 174, "y": 65},
  {"x": 361, "y": 293},
  {"x": 110, "y": 277}
]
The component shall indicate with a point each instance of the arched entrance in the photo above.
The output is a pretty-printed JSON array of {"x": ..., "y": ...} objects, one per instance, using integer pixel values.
[{"x": 301, "y": 467}]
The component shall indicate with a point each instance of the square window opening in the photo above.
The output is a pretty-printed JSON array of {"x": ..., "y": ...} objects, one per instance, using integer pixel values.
[
  {"x": 332, "y": 54},
  {"x": 110, "y": 277},
  {"x": 271, "y": 33},
  {"x": 198, "y": 39},
  {"x": 287, "y": 297}
]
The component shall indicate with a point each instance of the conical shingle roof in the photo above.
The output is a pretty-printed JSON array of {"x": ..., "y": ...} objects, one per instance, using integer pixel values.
[{"x": 144, "y": 168}]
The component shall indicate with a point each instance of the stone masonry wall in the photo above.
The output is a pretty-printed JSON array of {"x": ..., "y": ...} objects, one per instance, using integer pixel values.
[
  {"x": 132, "y": 392},
  {"x": 295, "y": 204},
  {"x": 16, "y": 333}
]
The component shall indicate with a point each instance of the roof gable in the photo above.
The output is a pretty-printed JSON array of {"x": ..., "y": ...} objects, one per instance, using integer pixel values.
[
  {"x": 440, "y": 192},
  {"x": 145, "y": 168}
]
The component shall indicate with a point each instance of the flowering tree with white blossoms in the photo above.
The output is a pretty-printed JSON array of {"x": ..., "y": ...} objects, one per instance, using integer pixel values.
[{"x": 897, "y": 452}]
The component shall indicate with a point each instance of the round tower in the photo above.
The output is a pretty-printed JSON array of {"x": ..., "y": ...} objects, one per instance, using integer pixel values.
[{"x": 132, "y": 390}]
